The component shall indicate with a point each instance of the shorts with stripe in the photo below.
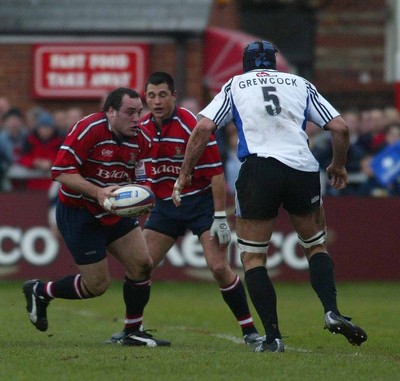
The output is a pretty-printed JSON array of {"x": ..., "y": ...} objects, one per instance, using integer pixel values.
[
  {"x": 86, "y": 238},
  {"x": 265, "y": 184},
  {"x": 195, "y": 213}
]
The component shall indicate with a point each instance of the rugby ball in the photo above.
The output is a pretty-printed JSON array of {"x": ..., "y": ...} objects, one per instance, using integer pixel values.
[{"x": 131, "y": 201}]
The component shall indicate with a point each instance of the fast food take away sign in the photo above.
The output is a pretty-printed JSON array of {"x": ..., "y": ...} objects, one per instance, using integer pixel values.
[{"x": 87, "y": 70}]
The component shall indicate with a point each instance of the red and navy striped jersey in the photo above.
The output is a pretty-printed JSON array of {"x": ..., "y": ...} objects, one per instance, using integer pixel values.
[
  {"x": 168, "y": 150},
  {"x": 92, "y": 150}
]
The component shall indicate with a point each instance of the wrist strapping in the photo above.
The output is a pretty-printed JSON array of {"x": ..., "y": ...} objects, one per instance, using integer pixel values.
[{"x": 220, "y": 214}]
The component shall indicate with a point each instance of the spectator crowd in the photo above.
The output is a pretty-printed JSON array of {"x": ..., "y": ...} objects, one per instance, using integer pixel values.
[
  {"x": 29, "y": 142},
  {"x": 373, "y": 162}
]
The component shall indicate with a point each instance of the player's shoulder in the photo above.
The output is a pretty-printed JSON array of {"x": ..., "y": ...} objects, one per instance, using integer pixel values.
[
  {"x": 185, "y": 115},
  {"x": 145, "y": 132},
  {"x": 147, "y": 126},
  {"x": 97, "y": 119}
]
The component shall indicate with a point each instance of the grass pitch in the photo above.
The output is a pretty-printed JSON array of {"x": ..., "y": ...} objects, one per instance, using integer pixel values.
[{"x": 206, "y": 340}]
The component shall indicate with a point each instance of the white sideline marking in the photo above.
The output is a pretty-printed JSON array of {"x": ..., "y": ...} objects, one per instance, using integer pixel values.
[
  {"x": 235, "y": 339},
  {"x": 231, "y": 338},
  {"x": 301, "y": 350}
]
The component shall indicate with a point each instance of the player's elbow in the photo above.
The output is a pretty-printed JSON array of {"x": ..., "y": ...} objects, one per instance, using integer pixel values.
[
  {"x": 206, "y": 126},
  {"x": 338, "y": 126}
]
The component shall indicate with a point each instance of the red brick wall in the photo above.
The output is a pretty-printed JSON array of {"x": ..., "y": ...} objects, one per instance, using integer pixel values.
[
  {"x": 225, "y": 14},
  {"x": 194, "y": 69},
  {"x": 349, "y": 52},
  {"x": 349, "y": 42},
  {"x": 16, "y": 74},
  {"x": 16, "y": 81},
  {"x": 163, "y": 58}
]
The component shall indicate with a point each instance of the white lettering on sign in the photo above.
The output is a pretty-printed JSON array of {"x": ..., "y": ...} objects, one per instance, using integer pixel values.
[
  {"x": 75, "y": 80},
  {"x": 110, "y": 79},
  {"x": 17, "y": 244},
  {"x": 87, "y": 70},
  {"x": 24, "y": 245},
  {"x": 108, "y": 61},
  {"x": 67, "y": 61}
]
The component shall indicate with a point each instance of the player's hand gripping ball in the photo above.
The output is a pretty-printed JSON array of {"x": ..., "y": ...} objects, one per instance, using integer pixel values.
[{"x": 130, "y": 201}]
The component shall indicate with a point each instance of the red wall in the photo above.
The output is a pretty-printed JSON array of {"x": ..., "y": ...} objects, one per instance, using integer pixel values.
[{"x": 363, "y": 241}]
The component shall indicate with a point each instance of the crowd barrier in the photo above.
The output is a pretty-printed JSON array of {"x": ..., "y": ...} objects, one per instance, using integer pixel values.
[{"x": 363, "y": 239}]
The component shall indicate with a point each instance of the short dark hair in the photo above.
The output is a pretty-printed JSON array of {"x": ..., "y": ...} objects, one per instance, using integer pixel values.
[
  {"x": 159, "y": 77},
  {"x": 13, "y": 111},
  {"x": 114, "y": 98}
]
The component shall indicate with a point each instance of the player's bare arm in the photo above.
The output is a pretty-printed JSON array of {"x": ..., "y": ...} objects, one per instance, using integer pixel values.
[
  {"x": 195, "y": 148},
  {"x": 77, "y": 183},
  {"x": 336, "y": 171},
  {"x": 218, "y": 186}
]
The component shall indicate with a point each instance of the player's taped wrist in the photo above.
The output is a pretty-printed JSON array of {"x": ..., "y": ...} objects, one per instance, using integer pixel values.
[
  {"x": 220, "y": 214},
  {"x": 220, "y": 228}
]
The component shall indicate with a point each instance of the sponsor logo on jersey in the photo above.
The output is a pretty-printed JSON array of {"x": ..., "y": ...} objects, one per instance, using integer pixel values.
[
  {"x": 263, "y": 74},
  {"x": 174, "y": 169},
  {"x": 107, "y": 152},
  {"x": 140, "y": 171},
  {"x": 105, "y": 174},
  {"x": 178, "y": 153},
  {"x": 132, "y": 159}
]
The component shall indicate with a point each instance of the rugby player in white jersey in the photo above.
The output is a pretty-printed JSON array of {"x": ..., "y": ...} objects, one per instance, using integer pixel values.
[{"x": 270, "y": 110}]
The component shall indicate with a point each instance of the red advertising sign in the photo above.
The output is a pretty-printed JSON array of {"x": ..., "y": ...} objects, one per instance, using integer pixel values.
[
  {"x": 362, "y": 240},
  {"x": 87, "y": 71}
]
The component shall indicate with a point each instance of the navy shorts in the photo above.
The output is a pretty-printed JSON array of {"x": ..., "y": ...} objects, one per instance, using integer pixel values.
[
  {"x": 84, "y": 235},
  {"x": 195, "y": 213},
  {"x": 264, "y": 184}
]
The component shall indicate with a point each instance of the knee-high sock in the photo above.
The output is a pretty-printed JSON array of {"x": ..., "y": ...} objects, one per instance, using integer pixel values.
[
  {"x": 235, "y": 297},
  {"x": 69, "y": 287},
  {"x": 136, "y": 297},
  {"x": 322, "y": 278},
  {"x": 263, "y": 296}
]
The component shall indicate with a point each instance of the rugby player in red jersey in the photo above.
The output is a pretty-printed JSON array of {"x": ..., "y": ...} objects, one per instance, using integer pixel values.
[
  {"x": 100, "y": 153},
  {"x": 203, "y": 203}
]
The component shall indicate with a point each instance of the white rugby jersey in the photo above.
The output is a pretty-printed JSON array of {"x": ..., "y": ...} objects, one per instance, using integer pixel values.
[{"x": 270, "y": 110}]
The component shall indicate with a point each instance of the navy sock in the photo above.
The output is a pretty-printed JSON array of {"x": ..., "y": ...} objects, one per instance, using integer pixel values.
[
  {"x": 235, "y": 297},
  {"x": 322, "y": 278},
  {"x": 136, "y": 296},
  {"x": 68, "y": 287}
]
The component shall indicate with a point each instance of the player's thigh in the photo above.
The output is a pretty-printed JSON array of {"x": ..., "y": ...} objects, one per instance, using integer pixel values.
[
  {"x": 307, "y": 225},
  {"x": 131, "y": 250},
  {"x": 83, "y": 234},
  {"x": 302, "y": 194},
  {"x": 158, "y": 245},
  {"x": 254, "y": 229},
  {"x": 259, "y": 188},
  {"x": 254, "y": 232},
  {"x": 213, "y": 253}
]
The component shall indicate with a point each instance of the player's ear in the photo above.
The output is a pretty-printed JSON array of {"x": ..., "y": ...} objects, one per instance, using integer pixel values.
[{"x": 111, "y": 111}]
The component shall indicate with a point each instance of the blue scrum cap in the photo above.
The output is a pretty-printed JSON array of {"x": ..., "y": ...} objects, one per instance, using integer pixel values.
[{"x": 259, "y": 55}]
